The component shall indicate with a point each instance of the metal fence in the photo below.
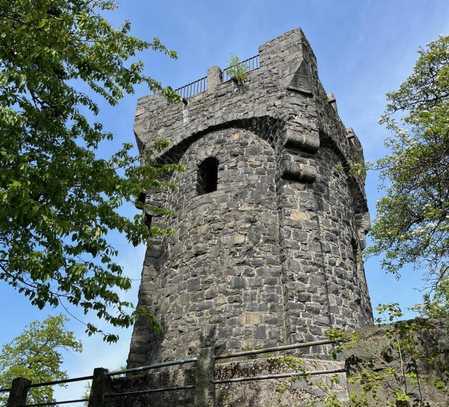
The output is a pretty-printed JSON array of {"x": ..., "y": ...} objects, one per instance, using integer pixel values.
[
  {"x": 248, "y": 65},
  {"x": 20, "y": 387},
  {"x": 99, "y": 393},
  {"x": 200, "y": 85},
  {"x": 193, "y": 88}
]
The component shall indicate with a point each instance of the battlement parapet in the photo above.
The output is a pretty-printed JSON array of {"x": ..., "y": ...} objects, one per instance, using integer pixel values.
[{"x": 284, "y": 86}]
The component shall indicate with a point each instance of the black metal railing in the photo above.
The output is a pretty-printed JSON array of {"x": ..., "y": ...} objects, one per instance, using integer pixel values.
[
  {"x": 113, "y": 373},
  {"x": 57, "y": 403},
  {"x": 45, "y": 384},
  {"x": 200, "y": 85},
  {"x": 235, "y": 355},
  {"x": 282, "y": 348},
  {"x": 193, "y": 88},
  {"x": 248, "y": 65}
]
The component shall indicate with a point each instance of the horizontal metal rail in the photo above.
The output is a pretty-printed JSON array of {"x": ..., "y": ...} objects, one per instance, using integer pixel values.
[
  {"x": 56, "y": 403},
  {"x": 155, "y": 390},
  {"x": 63, "y": 381},
  {"x": 186, "y": 361},
  {"x": 193, "y": 88},
  {"x": 277, "y": 349},
  {"x": 200, "y": 85},
  {"x": 155, "y": 366},
  {"x": 250, "y": 64},
  {"x": 279, "y": 376}
]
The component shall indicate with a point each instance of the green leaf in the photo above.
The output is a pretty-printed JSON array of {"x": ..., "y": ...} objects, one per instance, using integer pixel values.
[{"x": 59, "y": 199}]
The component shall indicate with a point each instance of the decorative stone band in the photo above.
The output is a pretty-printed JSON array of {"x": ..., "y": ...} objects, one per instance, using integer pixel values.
[
  {"x": 297, "y": 171},
  {"x": 363, "y": 225},
  {"x": 302, "y": 141}
]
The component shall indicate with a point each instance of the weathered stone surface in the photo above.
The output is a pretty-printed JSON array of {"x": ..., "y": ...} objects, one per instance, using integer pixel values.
[
  {"x": 276, "y": 392},
  {"x": 372, "y": 367},
  {"x": 272, "y": 256},
  {"x": 290, "y": 391}
]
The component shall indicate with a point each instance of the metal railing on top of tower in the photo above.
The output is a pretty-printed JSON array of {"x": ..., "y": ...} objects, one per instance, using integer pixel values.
[
  {"x": 200, "y": 85},
  {"x": 250, "y": 64},
  {"x": 193, "y": 88}
]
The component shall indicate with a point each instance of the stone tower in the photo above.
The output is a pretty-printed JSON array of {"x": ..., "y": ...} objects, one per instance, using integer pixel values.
[{"x": 270, "y": 212}]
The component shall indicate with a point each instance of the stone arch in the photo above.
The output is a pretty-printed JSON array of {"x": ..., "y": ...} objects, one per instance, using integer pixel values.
[{"x": 267, "y": 128}]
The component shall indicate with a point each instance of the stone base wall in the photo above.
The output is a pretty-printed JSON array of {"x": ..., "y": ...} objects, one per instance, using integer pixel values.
[
  {"x": 166, "y": 377},
  {"x": 372, "y": 369},
  {"x": 294, "y": 391},
  {"x": 286, "y": 392}
]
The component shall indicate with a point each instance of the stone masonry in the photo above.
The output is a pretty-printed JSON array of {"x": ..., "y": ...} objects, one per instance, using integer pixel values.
[{"x": 273, "y": 255}]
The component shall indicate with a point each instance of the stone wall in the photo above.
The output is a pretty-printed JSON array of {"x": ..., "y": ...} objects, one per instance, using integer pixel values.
[
  {"x": 289, "y": 391},
  {"x": 402, "y": 364},
  {"x": 273, "y": 255},
  {"x": 370, "y": 370}
]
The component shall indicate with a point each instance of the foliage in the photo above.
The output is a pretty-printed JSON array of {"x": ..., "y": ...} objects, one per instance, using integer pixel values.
[
  {"x": 437, "y": 305},
  {"x": 358, "y": 169},
  {"x": 291, "y": 363},
  {"x": 237, "y": 71},
  {"x": 36, "y": 355},
  {"x": 59, "y": 199},
  {"x": 342, "y": 339},
  {"x": 406, "y": 357},
  {"x": 412, "y": 225},
  {"x": 388, "y": 313}
]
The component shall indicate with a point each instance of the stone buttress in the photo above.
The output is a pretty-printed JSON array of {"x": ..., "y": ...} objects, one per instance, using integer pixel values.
[{"x": 270, "y": 213}]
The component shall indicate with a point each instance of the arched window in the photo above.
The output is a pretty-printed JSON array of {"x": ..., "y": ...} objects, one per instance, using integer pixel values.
[{"x": 207, "y": 176}]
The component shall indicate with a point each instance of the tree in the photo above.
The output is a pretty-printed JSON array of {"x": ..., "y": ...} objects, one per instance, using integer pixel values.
[
  {"x": 412, "y": 225},
  {"x": 58, "y": 199},
  {"x": 36, "y": 355}
]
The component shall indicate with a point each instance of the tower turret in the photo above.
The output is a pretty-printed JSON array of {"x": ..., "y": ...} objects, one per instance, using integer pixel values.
[{"x": 270, "y": 215}]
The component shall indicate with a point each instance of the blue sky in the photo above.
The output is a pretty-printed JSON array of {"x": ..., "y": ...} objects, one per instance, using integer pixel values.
[{"x": 364, "y": 49}]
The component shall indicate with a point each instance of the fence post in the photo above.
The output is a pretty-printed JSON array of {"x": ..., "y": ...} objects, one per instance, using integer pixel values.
[
  {"x": 19, "y": 391},
  {"x": 205, "y": 373},
  {"x": 99, "y": 386}
]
